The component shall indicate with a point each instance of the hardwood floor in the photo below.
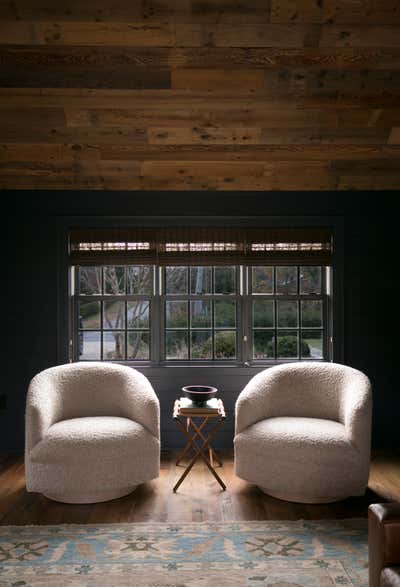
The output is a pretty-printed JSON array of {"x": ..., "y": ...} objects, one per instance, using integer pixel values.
[{"x": 199, "y": 498}]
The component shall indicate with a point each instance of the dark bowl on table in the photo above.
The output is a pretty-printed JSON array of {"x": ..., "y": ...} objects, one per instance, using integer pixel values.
[{"x": 199, "y": 394}]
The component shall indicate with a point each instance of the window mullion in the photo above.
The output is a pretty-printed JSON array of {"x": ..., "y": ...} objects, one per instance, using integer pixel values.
[
  {"x": 189, "y": 327},
  {"x": 326, "y": 316},
  {"x": 213, "y": 329},
  {"x": 156, "y": 313},
  {"x": 246, "y": 326},
  {"x": 75, "y": 334}
]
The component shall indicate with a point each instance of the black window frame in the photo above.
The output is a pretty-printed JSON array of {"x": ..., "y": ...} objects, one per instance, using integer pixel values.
[
  {"x": 103, "y": 297},
  {"x": 189, "y": 297},
  {"x": 324, "y": 296},
  {"x": 65, "y": 279},
  {"x": 244, "y": 299}
]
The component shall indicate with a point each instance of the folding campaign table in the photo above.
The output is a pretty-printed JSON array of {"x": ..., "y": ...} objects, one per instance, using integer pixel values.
[{"x": 199, "y": 439}]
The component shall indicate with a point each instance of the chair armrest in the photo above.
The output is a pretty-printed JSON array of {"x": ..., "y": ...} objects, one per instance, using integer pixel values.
[
  {"x": 254, "y": 402},
  {"x": 357, "y": 413},
  {"x": 383, "y": 539},
  {"x": 43, "y": 408},
  {"x": 142, "y": 404}
]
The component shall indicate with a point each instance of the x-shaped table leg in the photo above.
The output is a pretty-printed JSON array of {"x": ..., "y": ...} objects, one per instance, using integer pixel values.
[
  {"x": 211, "y": 451},
  {"x": 199, "y": 452},
  {"x": 189, "y": 446}
]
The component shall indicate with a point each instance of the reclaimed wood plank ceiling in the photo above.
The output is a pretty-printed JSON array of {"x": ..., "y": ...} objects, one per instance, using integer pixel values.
[{"x": 200, "y": 94}]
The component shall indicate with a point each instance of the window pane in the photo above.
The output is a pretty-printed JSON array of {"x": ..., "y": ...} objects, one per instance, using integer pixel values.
[
  {"x": 113, "y": 345},
  {"x": 225, "y": 344},
  {"x": 262, "y": 280},
  {"x": 113, "y": 315},
  {"x": 201, "y": 280},
  {"x": 200, "y": 314},
  {"x": 286, "y": 280},
  {"x": 138, "y": 314},
  {"x": 139, "y": 346},
  {"x": 176, "y": 314},
  {"x": 263, "y": 344},
  {"x": 225, "y": 280},
  {"x": 287, "y": 314},
  {"x": 311, "y": 344},
  {"x": 310, "y": 280},
  {"x": 89, "y": 315},
  {"x": 176, "y": 280},
  {"x": 89, "y": 346},
  {"x": 263, "y": 313},
  {"x": 114, "y": 280},
  {"x": 311, "y": 314},
  {"x": 225, "y": 314},
  {"x": 90, "y": 280},
  {"x": 288, "y": 345},
  {"x": 139, "y": 280},
  {"x": 201, "y": 341},
  {"x": 177, "y": 344}
]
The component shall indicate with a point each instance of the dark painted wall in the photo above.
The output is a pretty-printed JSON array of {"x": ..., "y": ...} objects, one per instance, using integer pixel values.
[{"x": 31, "y": 305}]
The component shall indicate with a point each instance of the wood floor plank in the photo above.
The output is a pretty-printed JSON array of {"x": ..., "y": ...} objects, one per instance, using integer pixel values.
[{"x": 199, "y": 498}]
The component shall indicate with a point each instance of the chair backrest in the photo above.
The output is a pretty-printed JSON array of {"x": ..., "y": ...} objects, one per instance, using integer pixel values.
[
  {"x": 90, "y": 389},
  {"x": 309, "y": 389}
]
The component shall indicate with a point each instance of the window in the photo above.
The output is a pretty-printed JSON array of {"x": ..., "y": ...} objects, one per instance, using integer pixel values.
[
  {"x": 113, "y": 312},
  {"x": 243, "y": 301},
  {"x": 200, "y": 310},
  {"x": 288, "y": 308}
]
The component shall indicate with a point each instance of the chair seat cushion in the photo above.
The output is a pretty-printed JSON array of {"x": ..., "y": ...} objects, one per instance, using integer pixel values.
[
  {"x": 90, "y": 437},
  {"x": 297, "y": 432},
  {"x": 309, "y": 460},
  {"x": 296, "y": 439}
]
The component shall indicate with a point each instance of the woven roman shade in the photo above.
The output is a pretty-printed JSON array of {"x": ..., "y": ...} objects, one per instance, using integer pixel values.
[{"x": 200, "y": 246}]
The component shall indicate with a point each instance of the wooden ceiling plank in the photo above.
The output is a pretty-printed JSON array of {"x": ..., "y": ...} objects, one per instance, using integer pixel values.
[
  {"x": 373, "y": 12},
  {"x": 140, "y": 152},
  {"x": 150, "y": 10},
  {"x": 126, "y": 34}
]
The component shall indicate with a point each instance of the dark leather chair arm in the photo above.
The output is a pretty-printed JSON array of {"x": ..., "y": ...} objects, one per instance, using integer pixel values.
[{"x": 383, "y": 539}]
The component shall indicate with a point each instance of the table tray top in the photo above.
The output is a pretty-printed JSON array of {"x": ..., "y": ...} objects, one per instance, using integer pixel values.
[{"x": 199, "y": 412}]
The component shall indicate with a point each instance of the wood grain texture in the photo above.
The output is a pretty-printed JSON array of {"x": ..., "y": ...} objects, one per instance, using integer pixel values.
[
  {"x": 155, "y": 501},
  {"x": 137, "y": 34},
  {"x": 199, "y": 95}
]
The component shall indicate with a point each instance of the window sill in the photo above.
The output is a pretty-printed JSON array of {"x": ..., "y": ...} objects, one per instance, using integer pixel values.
[{"x": 199, "y": 369}]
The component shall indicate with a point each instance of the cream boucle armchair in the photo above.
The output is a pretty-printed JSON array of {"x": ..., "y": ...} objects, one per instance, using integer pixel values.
[
  {"x": 303, "y": 432},
  {"x": 92, "y": 432}
]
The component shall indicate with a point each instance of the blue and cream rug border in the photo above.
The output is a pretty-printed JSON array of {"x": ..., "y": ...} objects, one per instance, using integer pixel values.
[{"x": 318, "y": 553}]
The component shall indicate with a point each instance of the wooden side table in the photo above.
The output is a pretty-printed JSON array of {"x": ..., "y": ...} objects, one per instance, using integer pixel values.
[{"x": 196, "y": 432}]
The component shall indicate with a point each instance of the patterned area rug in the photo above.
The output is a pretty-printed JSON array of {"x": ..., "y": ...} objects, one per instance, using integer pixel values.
[{"x": 235, "y": 554}]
